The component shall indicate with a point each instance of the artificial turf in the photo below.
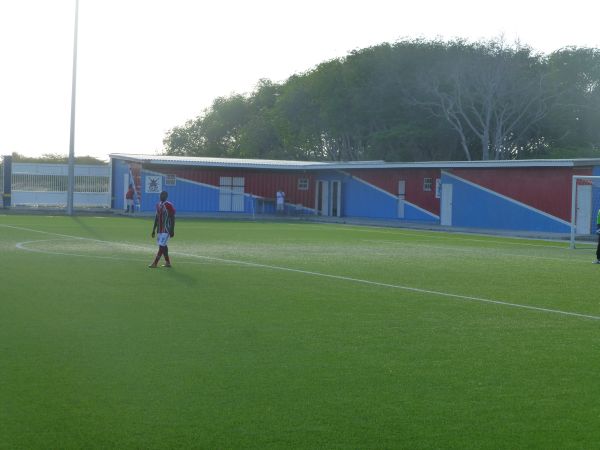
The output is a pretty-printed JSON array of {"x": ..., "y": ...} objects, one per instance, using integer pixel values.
[{"x": 293, "y": 335}]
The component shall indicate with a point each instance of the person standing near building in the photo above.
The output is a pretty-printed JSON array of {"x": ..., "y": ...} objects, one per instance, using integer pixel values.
[
  {"x": 129, "y": 199},
  {"x": 164, "y": 223},
  {"x": 280, "y": 199}
]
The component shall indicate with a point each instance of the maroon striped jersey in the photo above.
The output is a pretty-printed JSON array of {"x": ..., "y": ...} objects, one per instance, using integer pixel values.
[{"x": 165, "y": 212}]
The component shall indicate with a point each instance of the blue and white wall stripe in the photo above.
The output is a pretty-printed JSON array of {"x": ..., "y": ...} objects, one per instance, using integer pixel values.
[{"x": 475, "y": 206}]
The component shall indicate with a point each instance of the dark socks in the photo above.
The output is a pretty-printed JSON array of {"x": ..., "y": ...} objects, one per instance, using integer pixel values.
[{"x": 158, "y": 255}]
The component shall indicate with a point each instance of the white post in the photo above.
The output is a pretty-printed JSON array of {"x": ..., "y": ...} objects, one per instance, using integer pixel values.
[
  {"x": 71, "y": 186},
  {"x": 575, "y": 208},
  {"x": 573, "y": 203}
]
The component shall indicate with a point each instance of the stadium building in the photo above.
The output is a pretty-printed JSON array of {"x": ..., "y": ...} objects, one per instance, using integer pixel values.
[{"x": 523, "y": 195}]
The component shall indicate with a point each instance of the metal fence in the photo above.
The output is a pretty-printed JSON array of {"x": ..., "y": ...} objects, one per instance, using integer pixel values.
[
  {"x": 58, "y": 183},
  {"x": 47, "y": 185}
]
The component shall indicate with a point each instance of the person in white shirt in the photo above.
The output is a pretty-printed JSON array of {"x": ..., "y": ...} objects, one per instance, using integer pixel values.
[{"x": 280, "y": 201}]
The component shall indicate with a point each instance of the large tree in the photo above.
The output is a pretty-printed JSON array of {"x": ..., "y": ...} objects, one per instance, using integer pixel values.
[
  {"x": 492, "y": 96},
  {"x": 572, "y": 126},
  {"x": 409, "y": 101}
]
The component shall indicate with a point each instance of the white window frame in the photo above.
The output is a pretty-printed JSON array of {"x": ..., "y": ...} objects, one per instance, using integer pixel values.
[
  {"x": 303, "y": 184},
  {"x": 170, "y": 180},
  {"x": 427, "y": 184}
]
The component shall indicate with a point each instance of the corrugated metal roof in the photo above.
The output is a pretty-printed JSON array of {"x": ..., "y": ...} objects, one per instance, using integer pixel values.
[
  {"x": 316, "y": 165},
  {"x": 468, "y": 164},
  {"x": 216, "y": 162}
]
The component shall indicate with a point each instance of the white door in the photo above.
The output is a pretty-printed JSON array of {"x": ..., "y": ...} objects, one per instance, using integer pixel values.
[
  {"x": 231, "y": 194},
  {"x": 336, "y": 198},
  {"x": 322, "y": 198},
  {"x": 237, "y": 194},
  {"x": 225, "y": 193},
  {"x": 401, "y": 198},
  {"x": 446, "y": 212},
  {"x": 583, "y": 219},
  {"x": 125, "y": 188}
]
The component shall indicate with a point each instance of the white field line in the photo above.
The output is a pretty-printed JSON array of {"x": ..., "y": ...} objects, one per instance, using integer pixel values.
[
  {"x": 338, "y": 277},
  {"x": 435, "y": 234},
  {"x": 25, "y": 246}
]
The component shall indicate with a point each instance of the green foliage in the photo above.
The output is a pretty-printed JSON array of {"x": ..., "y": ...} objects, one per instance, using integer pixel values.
[
  {"x": 567, "y": 153},
  {"x": 412, "y": 100},
  {"x": 54, "y": 158},
  {"x": 277, "y": 335},
  {"x": 574, "y": 120}
]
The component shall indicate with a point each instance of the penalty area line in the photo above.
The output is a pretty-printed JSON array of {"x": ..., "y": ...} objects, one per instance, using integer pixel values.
[
  {"x": 399, "y": 287},
  {"x": 339, "y": 277}
]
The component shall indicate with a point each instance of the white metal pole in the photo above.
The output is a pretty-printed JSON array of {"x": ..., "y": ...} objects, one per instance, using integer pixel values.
[
  {"x": 573, "y": 200},
  {"x": 71, "y": 186}
]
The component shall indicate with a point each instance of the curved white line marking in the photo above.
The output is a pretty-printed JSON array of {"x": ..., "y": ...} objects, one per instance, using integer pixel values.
[
  {"x": 23, "y": 246},
  {"x": 335, "y": 277}
]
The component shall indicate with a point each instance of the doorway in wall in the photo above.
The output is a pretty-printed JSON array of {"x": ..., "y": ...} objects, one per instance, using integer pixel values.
[
  {"x": 446, "y": 210},
  {"x": 328, "y": 198}
]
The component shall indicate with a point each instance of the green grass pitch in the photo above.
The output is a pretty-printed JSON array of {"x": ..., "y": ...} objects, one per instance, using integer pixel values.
[{"x": 293, "y": 335}]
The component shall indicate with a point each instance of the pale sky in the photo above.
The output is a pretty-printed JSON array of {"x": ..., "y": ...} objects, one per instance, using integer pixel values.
[{"x": 145, "y": 66}]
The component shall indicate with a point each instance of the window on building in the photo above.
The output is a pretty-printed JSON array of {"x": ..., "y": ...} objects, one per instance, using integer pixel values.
[
  {"x": 427, "y": 184},
  {"x": 303, "y": 184},
  {"x": 170, "y": 180}
]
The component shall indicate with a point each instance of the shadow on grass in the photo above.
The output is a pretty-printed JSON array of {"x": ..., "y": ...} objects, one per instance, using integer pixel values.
[
  {"x": 92, "y": 231},
  {"x": 175, "y": 274}
]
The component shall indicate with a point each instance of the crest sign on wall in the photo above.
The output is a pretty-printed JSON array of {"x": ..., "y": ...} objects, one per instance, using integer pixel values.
[{"x": 153, "y": 184}]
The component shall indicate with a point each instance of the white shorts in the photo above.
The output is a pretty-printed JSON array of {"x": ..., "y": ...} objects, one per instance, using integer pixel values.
[
  {"x": 129, "y": 202},
  {"x": 162, "y": 239}
]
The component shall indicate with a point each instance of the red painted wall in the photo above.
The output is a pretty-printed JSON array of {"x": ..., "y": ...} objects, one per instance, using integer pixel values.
[
  {"x": 263, "y": 183},
  {"x": 545, "y": 188},
  {"x": 387, "y": 179}
]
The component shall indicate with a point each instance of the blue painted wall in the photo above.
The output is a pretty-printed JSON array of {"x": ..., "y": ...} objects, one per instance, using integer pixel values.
[
  {"x": 186, "y": 196},
  {"x": 189, "y": 196},
  {"x": 360, "y": 199},
  {"x": 119, "y": 169},
  {"x": 475, "y": 207},
  {"x": 595, "y": 199}
]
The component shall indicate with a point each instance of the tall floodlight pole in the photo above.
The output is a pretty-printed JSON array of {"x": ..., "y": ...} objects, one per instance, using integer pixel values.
[{"x": 71, "y": 185}]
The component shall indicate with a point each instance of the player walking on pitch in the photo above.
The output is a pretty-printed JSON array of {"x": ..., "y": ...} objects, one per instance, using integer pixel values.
[{"x": 164, "y": 223}]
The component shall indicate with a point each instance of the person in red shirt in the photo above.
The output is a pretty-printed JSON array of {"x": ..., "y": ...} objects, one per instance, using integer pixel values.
[
  {"x": 129, "y": 198},
  {"x": 164, "y": 224}
]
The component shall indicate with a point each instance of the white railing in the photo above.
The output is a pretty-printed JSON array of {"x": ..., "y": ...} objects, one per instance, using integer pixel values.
[{"x": 46, "y": 185}]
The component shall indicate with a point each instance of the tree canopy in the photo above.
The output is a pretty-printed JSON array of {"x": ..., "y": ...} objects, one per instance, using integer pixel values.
[
  {"x": 54, "y": 158},
  {"x": 414, "y": 100}
]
